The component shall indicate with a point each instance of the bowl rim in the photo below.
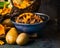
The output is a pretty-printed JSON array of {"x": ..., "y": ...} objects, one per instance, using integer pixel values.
[{"x": 35, "y": 23}]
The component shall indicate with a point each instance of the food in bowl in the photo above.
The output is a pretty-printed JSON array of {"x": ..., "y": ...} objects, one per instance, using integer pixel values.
[
  {"x": 31, "y": 28},
  {"x": 28, "y": 18},
  {"x": 5, "y": 10},
  {"x": 21, "y": 4}
]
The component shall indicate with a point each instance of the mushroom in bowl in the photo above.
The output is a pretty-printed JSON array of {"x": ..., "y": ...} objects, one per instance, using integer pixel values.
[{"x": 30, "y": 22}]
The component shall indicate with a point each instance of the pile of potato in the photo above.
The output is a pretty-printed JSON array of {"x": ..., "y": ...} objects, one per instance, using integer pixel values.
[{"x": 11, "y": 35}]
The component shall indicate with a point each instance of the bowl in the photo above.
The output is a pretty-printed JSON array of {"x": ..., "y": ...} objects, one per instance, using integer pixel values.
[
  {"x": 32, "y": 8},
  {"x": 31, "y": 28}
]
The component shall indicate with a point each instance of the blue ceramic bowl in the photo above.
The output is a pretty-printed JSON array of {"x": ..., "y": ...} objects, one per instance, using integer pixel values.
[{"x": 31, "y": 28}]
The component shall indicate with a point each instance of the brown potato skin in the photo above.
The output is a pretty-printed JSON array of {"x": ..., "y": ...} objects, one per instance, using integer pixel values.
[
  {"x": 11, "y": 36},
  {"x": 22, "y": 39}
]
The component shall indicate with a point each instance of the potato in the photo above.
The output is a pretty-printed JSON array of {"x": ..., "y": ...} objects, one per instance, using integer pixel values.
[
  {"x": 11, "y": 36},
  {"x": 22, "y": 39},
  {"x": 7, "y": 22}
]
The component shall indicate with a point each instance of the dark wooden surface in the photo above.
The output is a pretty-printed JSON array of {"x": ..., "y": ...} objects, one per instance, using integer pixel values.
[{"x": 49, "y": 38}]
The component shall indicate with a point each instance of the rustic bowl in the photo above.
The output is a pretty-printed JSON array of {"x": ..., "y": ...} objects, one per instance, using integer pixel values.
[{"x": 31, "y": 28}]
